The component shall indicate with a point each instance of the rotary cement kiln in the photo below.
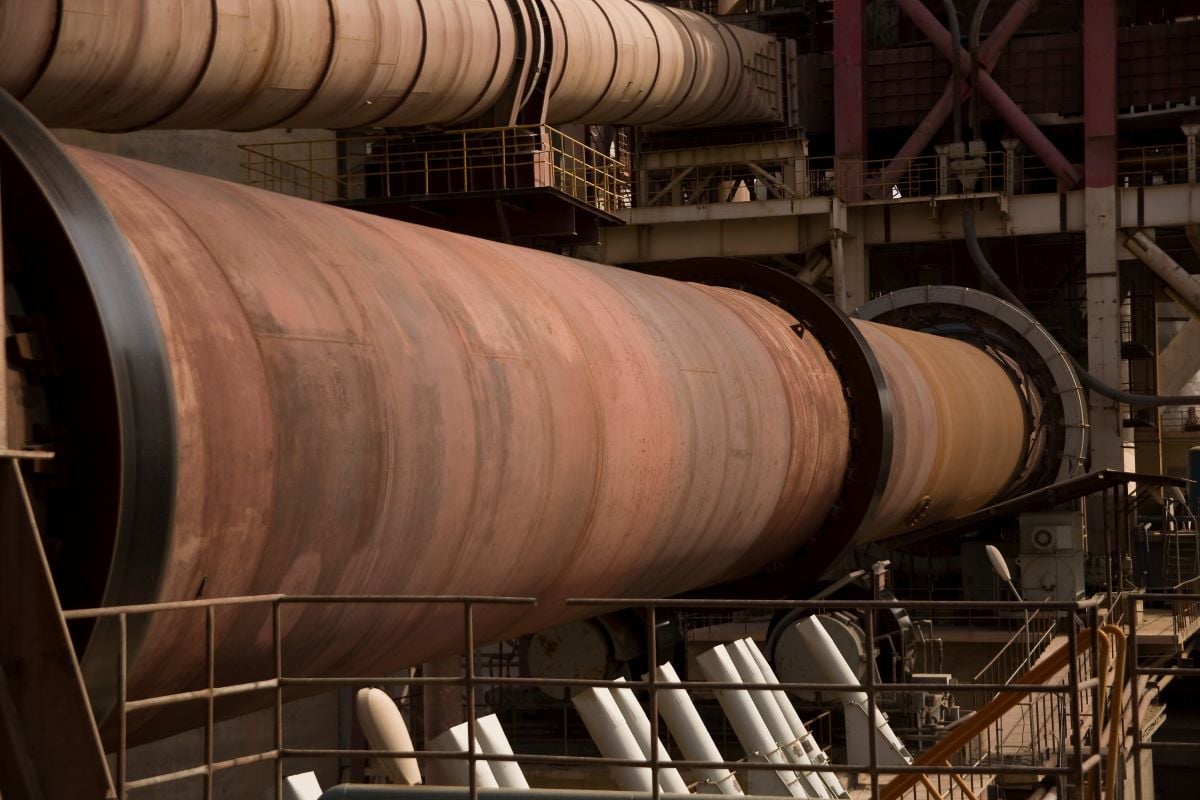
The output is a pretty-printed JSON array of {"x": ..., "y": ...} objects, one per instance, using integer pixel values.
[{"x": 248, "y": 393}]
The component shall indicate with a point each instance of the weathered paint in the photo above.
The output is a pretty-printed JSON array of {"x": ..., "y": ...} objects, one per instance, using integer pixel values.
[
  {"x": 258, "y": 64},
  {"x": 364, "y": 406}
]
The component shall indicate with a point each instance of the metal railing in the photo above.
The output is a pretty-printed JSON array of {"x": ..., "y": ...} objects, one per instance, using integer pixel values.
[
  {"x": 995, "y": 171},
  {"x": 276, "y": 683},
  {"x": 539, "y": 156},
  {"x": 1180, "y": 419},
  {"x": 1140, "y": 696},
  {"x": 739, "y": 183},
  {"x": 1017, "y": 654},
  {"x": 437, "y": 164},
  {"x": 1185, "y": 607},
  {"x": 979, "y": 759},
  {"x": 1157, "y": 165}
]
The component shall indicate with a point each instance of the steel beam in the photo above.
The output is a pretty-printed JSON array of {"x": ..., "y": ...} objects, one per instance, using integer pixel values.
[
  {"x": 849, "y": 96},
  {"x": 995, "y": 96},
  {"x": 928, "y": 127},
  {"x": 1183, "y": 285},
  {"x": 1101, "y": 210},
  {"x": 1179, "y": 361},
  {"x": 1100, "y": 93}
]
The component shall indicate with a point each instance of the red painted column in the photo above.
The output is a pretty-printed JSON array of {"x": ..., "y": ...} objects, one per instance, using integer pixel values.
[
  {"x": 1100, "y": 93},
  {"x": 849, "y": 95}
]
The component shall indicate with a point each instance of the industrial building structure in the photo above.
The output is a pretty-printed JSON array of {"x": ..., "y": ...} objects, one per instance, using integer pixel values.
[{"x": 444, "y": 399}]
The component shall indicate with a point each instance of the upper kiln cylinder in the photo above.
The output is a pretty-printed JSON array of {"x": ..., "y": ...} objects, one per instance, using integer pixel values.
[
  {"x": 253, "y": 64},
  {"x": 351, "y": 405}
]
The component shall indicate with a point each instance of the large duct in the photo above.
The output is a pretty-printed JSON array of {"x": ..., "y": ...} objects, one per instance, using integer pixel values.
[
  {"x": 253, "y": 64},
  {"x": 249, "y": 393}
]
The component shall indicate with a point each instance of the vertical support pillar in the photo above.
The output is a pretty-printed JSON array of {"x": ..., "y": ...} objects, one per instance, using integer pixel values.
[
  {"x": 1012, "y": 165},
  {"x": 848, "y": 252},
  {"x": 943, "y": 168},
  {"x": 795, "y": 170},
  {"x": 857, "y": 260},
  {"x": 849, "y": 96},
  {"x": 442, "y": 704},
  {"x": 1190, "y": 130},
  {"x": 4, "y": 441},
  {"x": 1100, "y": 211}
]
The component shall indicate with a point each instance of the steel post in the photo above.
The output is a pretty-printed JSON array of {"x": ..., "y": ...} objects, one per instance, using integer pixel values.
[
  {"x": 995, "y": 96},
  {"x": 928, "y": 127},
  {"x": 849, "y": 96}
]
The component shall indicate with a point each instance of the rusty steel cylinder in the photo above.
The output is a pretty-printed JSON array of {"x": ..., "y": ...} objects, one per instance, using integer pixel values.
[
  {"x": 960, "y": 429},
  {"x": 254, "y": 64},
  {"x": 643, "y": 63},
  {"x": 354, "y": 405}
]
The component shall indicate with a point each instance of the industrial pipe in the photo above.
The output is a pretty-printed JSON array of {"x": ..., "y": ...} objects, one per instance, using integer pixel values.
[
  {"x": 385, "y": 792},
  {"x": 613, "y": 737},
  {"x": 452, "y": 772},
  {"x": 772, "y": 715},
  {"x": 692, "y": 736},
  {"x": 493, "y": 742},
  {"x": 386, "y": 63},
  {"x": 747, "y": 722},
  {"x": 385, "y": 729},
  {"x": 669, "y": 778},
  {"x": 1184, "y": 285},
  {"x": 803, "y": 738},
  {"x": 251, "y": 393},
  {"x": 862, "y": 721}
]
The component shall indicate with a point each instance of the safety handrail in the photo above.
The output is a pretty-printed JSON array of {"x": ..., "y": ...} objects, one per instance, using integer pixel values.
[{"x": 972, "y": 726}]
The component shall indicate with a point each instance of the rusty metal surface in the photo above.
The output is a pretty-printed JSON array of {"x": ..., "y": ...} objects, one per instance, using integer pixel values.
[
  {"x": 959, "y": 428},
  {"x": 265, "y": 63},
  {"x": 364, "y": 406},
  {"x": 698, "y": 71},
  {"x": 43, "y": 706},
  {"x": 362, "y": 63},
  {"x": 369, "y": 406}
]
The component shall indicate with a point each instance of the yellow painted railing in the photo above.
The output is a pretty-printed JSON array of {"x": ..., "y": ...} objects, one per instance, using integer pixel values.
[{"x": 443, "y": 163}]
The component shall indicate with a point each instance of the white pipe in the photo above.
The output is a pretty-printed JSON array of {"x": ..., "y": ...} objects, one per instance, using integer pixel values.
[
  {"x": 612, "y": 735},
  {"x": 1179, "y": 280},
  {"x": 303, "y": 786},
  {"x": 668, "y": 777},
  {"x": 747, "y": 723},
  {"x": 836, "y": 670},
  {"x": 768, "y": 707},
  {"x": 493, "y": 742},
  {"x": 694, "y": 740},
  {"x": 803, "y": 735},
  {"x": 772, "y": 714},
  {"x": 383, "y": 725},
  {"x": 452, "y": 772}
]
